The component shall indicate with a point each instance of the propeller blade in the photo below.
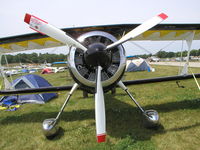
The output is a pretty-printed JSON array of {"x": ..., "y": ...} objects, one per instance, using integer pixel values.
[
  {"x": 100, "y": 109},
  {"x": 43, "y": 27},
  {"x": 139, "y": 30}
]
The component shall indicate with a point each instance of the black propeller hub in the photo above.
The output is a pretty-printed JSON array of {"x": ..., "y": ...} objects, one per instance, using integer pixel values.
[{"x": 97, "y": 55}]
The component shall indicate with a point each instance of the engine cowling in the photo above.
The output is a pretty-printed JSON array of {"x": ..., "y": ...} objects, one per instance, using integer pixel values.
[{"x": 82, "y": 65}]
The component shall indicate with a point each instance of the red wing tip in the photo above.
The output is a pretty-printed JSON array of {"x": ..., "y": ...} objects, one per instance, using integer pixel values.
[
  {"x": 27, "y": 18},
  {"x": 101, "y": 138},
  {"x": 163, "y": 16}
]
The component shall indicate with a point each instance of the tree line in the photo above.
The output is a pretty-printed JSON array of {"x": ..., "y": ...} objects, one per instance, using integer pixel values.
[
  {"x": 33, "y": 58},
  {"x": 164, "y": 54},
  {"x": 49, "y": 58}
]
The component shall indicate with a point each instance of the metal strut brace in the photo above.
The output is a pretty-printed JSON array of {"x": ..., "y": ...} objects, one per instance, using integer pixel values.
[
  {"x": 120, "y": 84},
  {"x": 75, "y": 86}
]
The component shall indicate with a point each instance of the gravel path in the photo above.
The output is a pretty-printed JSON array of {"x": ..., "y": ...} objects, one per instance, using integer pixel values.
[{"x": 191, "y": 64}]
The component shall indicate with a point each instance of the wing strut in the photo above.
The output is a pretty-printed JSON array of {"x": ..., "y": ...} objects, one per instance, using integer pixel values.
[
  {"x": 189, "y": 40},
  {"x": 7, "y": 84}
]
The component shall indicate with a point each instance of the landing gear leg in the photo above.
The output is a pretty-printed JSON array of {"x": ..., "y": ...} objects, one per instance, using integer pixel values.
[
  {"x": 151, "y": 117},
  {"x": 49, "y": 125}
]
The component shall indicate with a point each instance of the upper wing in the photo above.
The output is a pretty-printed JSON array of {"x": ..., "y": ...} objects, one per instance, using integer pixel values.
[{"x": 158, "y": 33}]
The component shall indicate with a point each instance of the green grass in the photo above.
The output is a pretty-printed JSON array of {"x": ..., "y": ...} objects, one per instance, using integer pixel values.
[{"x": 179, "y": 110}]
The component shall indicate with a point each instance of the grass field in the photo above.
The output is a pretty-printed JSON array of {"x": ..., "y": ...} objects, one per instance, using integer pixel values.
[{"x": 179, "y": 110}]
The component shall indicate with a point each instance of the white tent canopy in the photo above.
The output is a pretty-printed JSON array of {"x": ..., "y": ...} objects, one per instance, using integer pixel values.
[{"x": 137, "y": 65}]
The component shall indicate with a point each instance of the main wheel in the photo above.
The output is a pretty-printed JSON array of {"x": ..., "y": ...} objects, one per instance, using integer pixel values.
[
  {"x": 151, "y": 119},
  {"x": 49, "y": 127}
]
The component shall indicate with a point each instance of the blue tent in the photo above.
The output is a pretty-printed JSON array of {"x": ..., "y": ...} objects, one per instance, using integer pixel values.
[
  {"x": 61, "y": 62},
  {"x": 29, "y": 81},
  {"x": 24, "y": 70}
]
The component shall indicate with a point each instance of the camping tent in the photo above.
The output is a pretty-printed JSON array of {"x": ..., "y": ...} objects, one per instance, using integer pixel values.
[
  {"x": 60, "y": 62},
  {"x": 46, "y": 71},
  {"x": 137, "y": 65},
  {"x": 24, "y": 70},
  {"x": 29, "y": 81}
]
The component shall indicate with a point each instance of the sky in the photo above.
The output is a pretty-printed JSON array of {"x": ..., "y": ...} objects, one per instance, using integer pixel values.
[{"x": 70, "y": 13}]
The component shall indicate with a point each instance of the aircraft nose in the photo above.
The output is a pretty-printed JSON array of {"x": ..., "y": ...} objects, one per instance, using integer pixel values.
[{"x": 96, "y": 55}]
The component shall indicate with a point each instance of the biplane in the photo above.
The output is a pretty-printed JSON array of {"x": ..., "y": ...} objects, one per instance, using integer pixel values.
[{"x": 97, "y": 60}]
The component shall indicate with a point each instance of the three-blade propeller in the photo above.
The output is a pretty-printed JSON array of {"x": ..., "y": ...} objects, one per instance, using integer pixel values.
[{"x": 43, "y": 27}]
